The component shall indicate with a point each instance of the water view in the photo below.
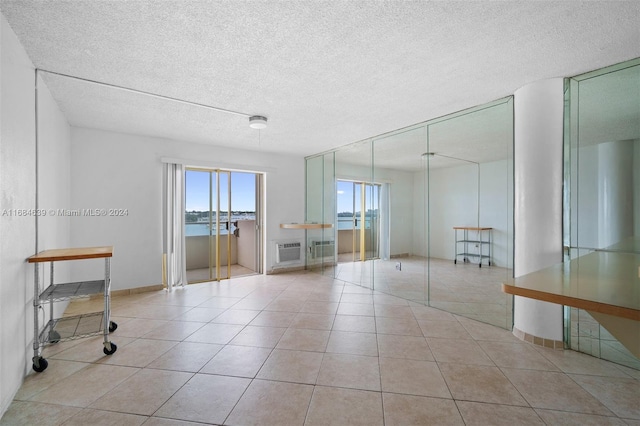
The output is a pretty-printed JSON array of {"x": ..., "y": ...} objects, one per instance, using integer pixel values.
[{"x": 197, "y": 223}]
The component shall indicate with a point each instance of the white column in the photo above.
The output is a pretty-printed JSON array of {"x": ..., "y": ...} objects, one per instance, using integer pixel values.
[
  {"x": 615, "y": 192},
  {"x": 538, "y": 131}
]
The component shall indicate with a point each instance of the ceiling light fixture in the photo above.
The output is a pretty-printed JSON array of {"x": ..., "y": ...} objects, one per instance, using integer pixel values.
[{"x": 257, "y": 122}]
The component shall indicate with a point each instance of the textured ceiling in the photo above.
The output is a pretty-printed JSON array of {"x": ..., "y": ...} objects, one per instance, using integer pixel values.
[
  {"x": 481, "y": 135},
  {"x": 325, "y": 73},
  {"x": 609, "y": 108}
]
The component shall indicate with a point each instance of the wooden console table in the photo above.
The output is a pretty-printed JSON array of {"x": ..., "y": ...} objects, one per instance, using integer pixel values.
[
  {"x": 480, "y": 242},
  {"x": 71, "y": 327},
  {"x": 604, "y": 283},
  {"x": 600, "y": 281},
  {"x": 306, "y": 225}
]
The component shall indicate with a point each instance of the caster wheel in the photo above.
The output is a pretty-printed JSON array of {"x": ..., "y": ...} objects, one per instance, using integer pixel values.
[
  {"x": 40, "y": 365},
  {"x": 110, "y": 352},
  {"x": 112, "y": 326},
  {"x": 480, "y": 265},
  {"x": 54, "y": 337},
  {"x": 455, "y": 261}
]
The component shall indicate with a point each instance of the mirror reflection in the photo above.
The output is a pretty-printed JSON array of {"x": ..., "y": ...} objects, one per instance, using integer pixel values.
[
  {"x": 356, "y": 213},
  {"x": 401, "y": 268},
  {"x": 606, "y": 160},
  {"x": 602, "y": 191},
  {"x": 470, "y": 215},
  {"x": 398, "y": 197},
  {"x": 320, "y": 204}
]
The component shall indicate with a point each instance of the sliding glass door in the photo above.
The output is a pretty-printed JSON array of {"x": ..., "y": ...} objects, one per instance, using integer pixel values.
[
  {"x": 358, "y": 221},
  {"x": 208, "y": 227},
  {"x": 223, "y": 231}
]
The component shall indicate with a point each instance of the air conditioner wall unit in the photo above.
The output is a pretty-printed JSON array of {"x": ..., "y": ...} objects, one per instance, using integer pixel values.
[
  {"x": 288, "y": 252},
  {"x": 323, "y": 248}
]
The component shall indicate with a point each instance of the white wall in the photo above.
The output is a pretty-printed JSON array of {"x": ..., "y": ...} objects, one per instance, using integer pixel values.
[
  {"x": 584, "y": 218},
  {"x": 420, "y": 209},
  {"x": 496, "y": 209},
  {"x": 453, "y": 199},
  {"x": 314, "y": 190},
  {"x": 453, "y": 196},
  {"x": 17, "y": 186},
  {"x": 247, "y": 244},
  {"x": 18, "y": 191},
  {"x": 402, "y": 209},
  {"x": 200, "y": 247},
  {"x": 115, "y": 170}
]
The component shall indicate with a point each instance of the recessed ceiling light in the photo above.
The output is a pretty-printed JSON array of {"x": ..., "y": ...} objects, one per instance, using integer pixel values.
[{"x": 257, "y": 122}]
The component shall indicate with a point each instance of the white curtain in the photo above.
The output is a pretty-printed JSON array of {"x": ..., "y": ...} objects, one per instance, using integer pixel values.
[
  {"x": 173, "y": 242},
  {"x": 385, "y": 224}
]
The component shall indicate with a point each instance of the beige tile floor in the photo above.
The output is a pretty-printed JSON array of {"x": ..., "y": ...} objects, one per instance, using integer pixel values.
[
  {"x": 203, "y": 274},
  {"x": 303, "y": 349},
  {"x": 462, "y": 288}
]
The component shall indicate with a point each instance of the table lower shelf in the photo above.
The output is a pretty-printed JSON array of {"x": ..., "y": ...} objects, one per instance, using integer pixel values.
[
  {"x": 466, "y": 256},
  {"x": 68, "y": 291},
  {"x": 71, "y": 328},
  {"x": 484, "y": 256}
]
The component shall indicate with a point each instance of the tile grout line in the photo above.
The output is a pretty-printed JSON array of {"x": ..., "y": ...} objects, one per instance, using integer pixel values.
[{"x": 302, "y": 294}]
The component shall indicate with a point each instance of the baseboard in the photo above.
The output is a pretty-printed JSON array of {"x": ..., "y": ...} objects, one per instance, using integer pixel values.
[
  {"x": 130, "y": 291},
  {"x": 285, "y": 270},
  {"x": 539, "y": 341},
  {"x": 395, "y": 256}
]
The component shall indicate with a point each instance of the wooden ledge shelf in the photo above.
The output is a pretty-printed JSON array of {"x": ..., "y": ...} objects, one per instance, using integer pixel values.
[
  {"x": 306, "y": 225},
  {"x": 587, "y": 305},
  {"x": 72, "y": 254},
  {"x": 604, "y": 282}
]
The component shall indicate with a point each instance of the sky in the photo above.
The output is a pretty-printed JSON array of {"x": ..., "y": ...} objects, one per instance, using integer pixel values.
[
  {"x": 243, "y": 190},
  {"x": 345, "y": 197}
]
